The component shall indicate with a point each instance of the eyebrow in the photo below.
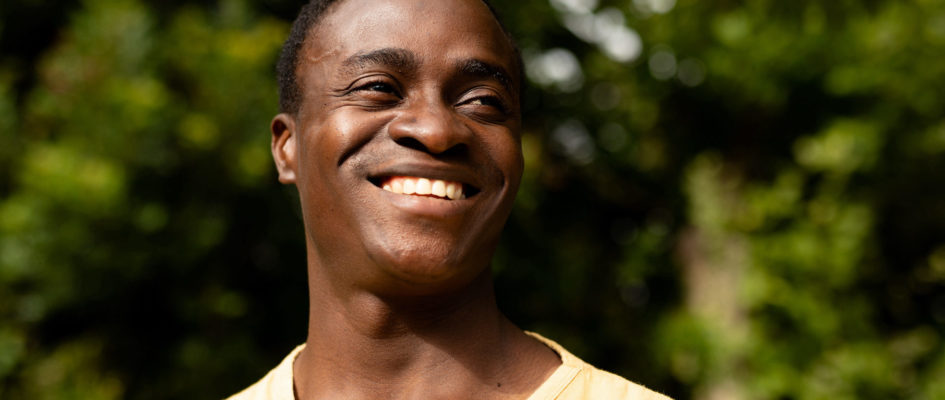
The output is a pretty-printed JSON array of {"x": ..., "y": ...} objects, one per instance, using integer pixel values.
[
  {"x": 398, "y": 59},
  {"x": 481, "y": 69}
]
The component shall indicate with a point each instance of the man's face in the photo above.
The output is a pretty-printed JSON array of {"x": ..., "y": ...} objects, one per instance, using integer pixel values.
[{"x": 404, "y": 97}]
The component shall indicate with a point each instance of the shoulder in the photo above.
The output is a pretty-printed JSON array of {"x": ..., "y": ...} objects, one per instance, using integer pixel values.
[
  {"x": 592, "y": 383},
  {"x": 276, "y": 385},
  {"x": 578, "y": 380}
]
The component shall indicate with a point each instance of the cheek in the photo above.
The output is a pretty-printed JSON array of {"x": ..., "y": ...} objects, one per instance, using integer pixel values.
[
  {"x": 507, "y": 153},
  {"x": 347, "y": 130},
  {"x": 330, "y": 141}
]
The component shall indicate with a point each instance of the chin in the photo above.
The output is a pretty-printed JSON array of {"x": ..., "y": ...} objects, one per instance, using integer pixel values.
[{"x": 432, "y": 268}]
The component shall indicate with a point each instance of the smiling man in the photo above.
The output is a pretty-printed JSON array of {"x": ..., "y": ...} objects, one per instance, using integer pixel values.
[{"x": 400, "y": 128}]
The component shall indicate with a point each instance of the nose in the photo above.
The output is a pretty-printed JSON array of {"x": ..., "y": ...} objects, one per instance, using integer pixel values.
[{"x": 430, "y": 126}]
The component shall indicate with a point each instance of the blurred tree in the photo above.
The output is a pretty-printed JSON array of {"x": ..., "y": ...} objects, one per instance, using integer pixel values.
[
  {"x": 721, "y": 200},
  {"x": 140, "y": 165}
]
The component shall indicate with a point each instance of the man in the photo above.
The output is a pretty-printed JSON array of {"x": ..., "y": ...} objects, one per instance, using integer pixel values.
[{"x": 400, "y": 128}]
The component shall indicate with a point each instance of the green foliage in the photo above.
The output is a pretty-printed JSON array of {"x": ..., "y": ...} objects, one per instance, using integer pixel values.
[{"x": 721, "y": 200}]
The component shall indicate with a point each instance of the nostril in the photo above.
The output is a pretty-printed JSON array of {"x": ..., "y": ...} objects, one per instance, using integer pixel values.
[
  {"x": 415, "y": 144},
  {"x": 432, "y": 131},
  {"x": 457, "y": 151},
  {"x": 411, "y": 143}
]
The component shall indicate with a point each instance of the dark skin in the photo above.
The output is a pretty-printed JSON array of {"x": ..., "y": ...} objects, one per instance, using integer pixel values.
[{"x": 401, "y": 296}]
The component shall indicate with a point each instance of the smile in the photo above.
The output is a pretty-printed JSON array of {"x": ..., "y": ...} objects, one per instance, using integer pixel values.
[{"x": 416, "y": 186}]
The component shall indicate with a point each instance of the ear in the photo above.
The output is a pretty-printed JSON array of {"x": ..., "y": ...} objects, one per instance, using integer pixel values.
[{"x": 284, "y": 147}]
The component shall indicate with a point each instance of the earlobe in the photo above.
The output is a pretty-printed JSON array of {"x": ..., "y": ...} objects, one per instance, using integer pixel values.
[{"x": 284, "y": 147}]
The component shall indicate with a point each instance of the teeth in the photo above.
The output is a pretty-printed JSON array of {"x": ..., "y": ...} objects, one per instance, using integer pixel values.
[
  {"x": 424, "y": 187},
  {"x": 454, "y": 191},
  {"x": 439, "y": 188},
  {"x": 451, "y": 190}
]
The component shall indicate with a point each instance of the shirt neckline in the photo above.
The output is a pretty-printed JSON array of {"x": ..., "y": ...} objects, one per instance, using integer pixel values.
[{"x": 549, "y": 389}]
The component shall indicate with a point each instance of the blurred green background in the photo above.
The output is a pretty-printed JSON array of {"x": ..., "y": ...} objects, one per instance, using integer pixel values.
[{"x": 722, "y": 200}]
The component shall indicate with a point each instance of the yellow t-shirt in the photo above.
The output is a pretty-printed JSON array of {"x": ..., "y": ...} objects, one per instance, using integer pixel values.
[{"x": 573, "y": 380}]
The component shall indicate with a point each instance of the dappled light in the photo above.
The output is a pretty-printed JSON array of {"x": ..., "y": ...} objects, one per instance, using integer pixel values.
[{"x": 721, "y": 200}]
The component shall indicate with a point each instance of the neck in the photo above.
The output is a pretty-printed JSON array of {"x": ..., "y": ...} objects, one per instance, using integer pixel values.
[{"x": 361, "y": 345}]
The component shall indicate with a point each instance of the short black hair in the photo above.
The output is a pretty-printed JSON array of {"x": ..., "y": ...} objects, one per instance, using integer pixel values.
[{"x": 290, "y": 94}]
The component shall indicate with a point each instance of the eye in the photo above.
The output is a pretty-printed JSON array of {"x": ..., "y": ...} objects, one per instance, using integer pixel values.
[
  {"x": 484, "y": 103},
  {"x": 490, "y": 101},
  {"x": 382, "y": 87},
  {"x": 374, "y": 93},
  {"x": 485, "y": 106}
]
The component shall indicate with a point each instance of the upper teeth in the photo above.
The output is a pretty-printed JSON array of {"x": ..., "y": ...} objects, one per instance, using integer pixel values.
[{"x": 424, "y": 186}]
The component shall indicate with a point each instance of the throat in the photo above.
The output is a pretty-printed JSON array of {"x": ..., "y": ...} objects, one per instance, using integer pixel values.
[{"x": 403, "y": 348}]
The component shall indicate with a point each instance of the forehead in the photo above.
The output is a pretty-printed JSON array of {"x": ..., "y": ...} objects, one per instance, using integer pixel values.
[{"x": 431, "y": 29}]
